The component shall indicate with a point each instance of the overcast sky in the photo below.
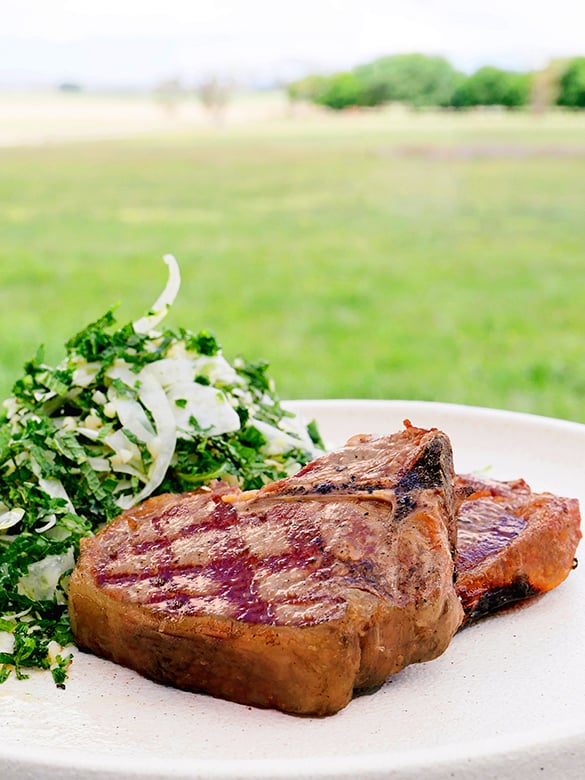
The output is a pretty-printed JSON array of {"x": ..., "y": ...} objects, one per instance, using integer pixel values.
[{"x": 118, "y": 43}]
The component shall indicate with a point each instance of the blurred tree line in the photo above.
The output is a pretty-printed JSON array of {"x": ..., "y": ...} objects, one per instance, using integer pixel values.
[{"x": 421, "y": 81}]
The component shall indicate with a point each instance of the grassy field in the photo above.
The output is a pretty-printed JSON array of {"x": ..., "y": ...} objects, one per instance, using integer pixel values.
[{"x": 380, "y": 256}]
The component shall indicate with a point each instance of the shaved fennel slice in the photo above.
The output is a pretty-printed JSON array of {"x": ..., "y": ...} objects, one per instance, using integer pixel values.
[
  {"x": 125, "y": 457},
  {"x": 55, "y": 489},
  {"x": 206, "y": 404},
  {"x": 10, "y": 517},
  {"x": 7, "y": 641},
  {"x": 41, "y": 580},
  {"x": 160, "y": 308},
  {"x": 278, "y": 442},
  {"x": 162, "y": 447},
  {"x": 172, "y": 371},
  {"x": 84, "y": 373},
  {"x": 99, "y": 464},
  {"x": 124, "y": 452},
  {"x": 132, "y": 416},
  {"x": 217, "y": 369}
]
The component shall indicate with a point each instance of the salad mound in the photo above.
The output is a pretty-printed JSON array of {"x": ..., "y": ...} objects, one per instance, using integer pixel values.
[{"x": 130, "y": 412}]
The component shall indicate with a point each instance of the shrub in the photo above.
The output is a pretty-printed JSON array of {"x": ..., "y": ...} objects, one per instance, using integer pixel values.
[{"x": 572, "y": 85}]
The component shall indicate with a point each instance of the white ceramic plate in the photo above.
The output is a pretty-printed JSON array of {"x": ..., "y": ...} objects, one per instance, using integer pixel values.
[{"x": 507, "y": 699}]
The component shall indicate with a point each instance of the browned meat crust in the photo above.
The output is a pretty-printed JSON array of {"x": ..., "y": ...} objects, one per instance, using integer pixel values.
[
  {"x": 290, "y": 597},
  {"x": 512, "y": 543}
]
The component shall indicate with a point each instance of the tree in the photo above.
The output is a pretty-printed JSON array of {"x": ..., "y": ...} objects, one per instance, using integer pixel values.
[
  {"x": 415, "y": 79},
  {"x": 214, "y": 92},
  {"x": 572, "y": 84},
  {"x": 491, "y": 86},
  {"x": 339, "y": 91},
  {"x": 169, "y": 94},
  {"x": 308, "y": 88}
]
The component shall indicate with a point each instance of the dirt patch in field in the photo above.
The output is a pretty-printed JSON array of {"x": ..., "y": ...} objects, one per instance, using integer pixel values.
[
  {"x": 53, "y": 117},
  {"x": 489, "y": 151}
]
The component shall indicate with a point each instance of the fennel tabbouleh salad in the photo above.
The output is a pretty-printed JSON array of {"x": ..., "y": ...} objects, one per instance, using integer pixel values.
[{"x": 129, "y": 412}]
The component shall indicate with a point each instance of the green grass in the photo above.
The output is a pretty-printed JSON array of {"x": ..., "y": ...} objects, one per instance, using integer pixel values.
[{"x": 355, "y": 269}]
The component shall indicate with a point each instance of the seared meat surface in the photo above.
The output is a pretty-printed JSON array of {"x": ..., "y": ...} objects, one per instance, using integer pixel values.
[
  {"x": 289, "y": 597},
  {"x": 511, "y": 544}
]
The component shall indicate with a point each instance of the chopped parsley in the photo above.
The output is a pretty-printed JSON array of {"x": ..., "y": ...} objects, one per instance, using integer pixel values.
[{"x": 130, "y": 412}]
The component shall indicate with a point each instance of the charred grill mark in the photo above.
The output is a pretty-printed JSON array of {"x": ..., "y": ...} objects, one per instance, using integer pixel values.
[
  {"x": 331, "y": 491},
  {"x": 224, "y": 514},
  {"x": 293, "y": 491},
  {"x": 427, "y": 473},
  {"x": 365, "y": 573},
  {"x": 178, "y": 601},
  {"x": 497, "y": 598},
  {"x": 405, "y": 504},
  {"x": 103, "y": 578},
  {"x": 327, "y": 487},
  {"x": 350, "y": 486},
  {"x": 149, "y": 546},
  {"x": 236, "y": 578}
]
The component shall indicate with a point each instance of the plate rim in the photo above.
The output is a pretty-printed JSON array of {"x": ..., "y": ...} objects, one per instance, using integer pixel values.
[{"x": 444, "y": 406}]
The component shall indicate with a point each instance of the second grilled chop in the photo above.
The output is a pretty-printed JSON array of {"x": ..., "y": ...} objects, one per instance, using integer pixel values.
[{"x": 512, "y": 543}]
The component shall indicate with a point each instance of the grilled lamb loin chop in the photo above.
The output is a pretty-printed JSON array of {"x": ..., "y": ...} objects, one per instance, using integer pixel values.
[
  {"x": 511, "y": 543},
  {"x": 289, "y": 597}
]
